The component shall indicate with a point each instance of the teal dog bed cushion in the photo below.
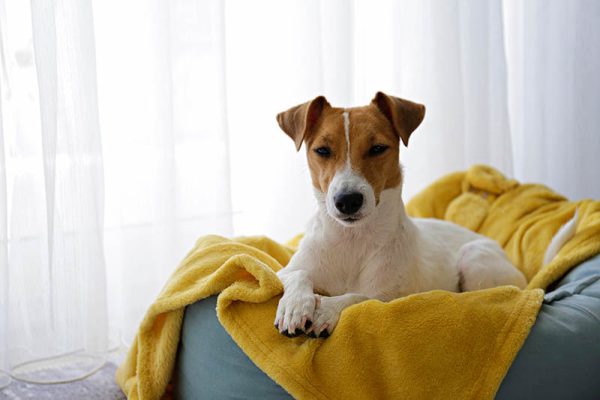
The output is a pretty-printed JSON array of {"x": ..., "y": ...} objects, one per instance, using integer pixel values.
[{"x": 559, "y": 360}]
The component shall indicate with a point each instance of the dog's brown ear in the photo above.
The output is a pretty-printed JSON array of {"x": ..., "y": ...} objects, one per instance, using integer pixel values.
[
  {"x": 405, "y": 116},
  {"x": 297, "y": 122}
]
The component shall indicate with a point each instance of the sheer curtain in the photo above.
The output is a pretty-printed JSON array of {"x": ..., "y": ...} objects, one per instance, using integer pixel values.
[
  {"x": 553, "y": 53},
  {"x": 130, "y": 128},
  {"x": 55, "y": 276}
]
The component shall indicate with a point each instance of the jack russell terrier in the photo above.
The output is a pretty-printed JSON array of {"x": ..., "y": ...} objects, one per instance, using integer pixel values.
[{"x": 361, "y": 245}]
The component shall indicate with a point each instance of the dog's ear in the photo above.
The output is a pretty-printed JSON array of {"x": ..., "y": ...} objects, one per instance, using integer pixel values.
[
  {"x": 405, "y": 116},
  {"x": 297, "y": 122}
]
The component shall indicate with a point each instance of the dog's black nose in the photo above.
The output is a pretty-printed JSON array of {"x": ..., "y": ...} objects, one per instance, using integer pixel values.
[{"x": 348, "y": 203}]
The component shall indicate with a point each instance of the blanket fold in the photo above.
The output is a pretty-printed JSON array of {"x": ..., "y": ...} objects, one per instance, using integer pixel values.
[{"x": 428, "y": 345}]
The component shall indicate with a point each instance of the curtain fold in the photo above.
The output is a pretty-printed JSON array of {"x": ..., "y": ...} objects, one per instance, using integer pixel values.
[
  {"x": 4, "y": 364},
  {"x": 554, "y": 58},
  {"x": 162, "y": 100},
  {"x": 55, "y": 300},
  {"x": 130, "y": 128},
  {"x": 450, "y": 56}
]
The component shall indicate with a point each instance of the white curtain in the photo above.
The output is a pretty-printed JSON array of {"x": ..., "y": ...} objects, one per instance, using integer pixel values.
[
  {"x": 55, "y": 279},
  {"x": 553, "y": 53},
  {"x": 130, "y": 128}
]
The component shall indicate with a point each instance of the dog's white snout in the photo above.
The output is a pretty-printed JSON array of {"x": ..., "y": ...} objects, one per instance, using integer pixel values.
[{"x": 350, "y": 197}]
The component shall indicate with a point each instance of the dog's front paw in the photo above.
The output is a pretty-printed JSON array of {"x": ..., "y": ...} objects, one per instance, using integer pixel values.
[
  {"x": 295, "y": 313},
  {"x": 326, "y": 317}
]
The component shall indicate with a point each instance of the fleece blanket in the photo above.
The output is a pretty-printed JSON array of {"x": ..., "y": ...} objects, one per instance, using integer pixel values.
[{"x": 428, "y": 345}]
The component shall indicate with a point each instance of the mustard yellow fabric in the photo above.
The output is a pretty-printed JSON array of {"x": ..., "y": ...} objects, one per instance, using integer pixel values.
[{"x": 428, "y": 345}]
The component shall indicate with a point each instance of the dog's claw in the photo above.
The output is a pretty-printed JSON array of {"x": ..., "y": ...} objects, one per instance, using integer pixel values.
[
  {"x": 320, "y": 335},
  {"x": 294, "y": 334},
  {"x": 288, "y": 333},
  {"x": 294, "y": 313}
]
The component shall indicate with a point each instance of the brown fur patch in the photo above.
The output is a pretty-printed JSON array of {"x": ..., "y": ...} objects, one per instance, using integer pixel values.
[
  {"x": 368, "y": 127},
  {"x": 328, "y": 132},
  {"x": 385, "y": 121}
]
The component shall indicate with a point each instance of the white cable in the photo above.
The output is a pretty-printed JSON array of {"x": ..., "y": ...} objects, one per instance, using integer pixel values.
[
  {"x": 8, "y": 377},
  {"x": 57, "y": 382},
  {"x": 101, "y": 360}
]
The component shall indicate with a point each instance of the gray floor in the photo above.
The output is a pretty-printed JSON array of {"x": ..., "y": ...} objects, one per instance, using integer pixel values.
[{"x": 100, "y": 386}]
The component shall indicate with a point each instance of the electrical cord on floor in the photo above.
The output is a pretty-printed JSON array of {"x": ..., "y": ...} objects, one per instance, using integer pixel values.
[
  {"x": 101, "y": 359},
  {"x": 8, "y": 379}
]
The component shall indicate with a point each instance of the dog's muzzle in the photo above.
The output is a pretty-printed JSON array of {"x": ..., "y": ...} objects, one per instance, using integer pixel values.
[{"x": 348, "y": 203}]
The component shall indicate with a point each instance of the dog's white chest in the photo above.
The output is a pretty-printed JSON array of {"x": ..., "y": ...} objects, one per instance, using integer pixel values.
[{"x": 356, "y": 265}]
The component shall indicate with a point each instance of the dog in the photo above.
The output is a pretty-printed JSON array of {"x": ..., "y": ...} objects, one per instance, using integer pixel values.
[{"x": 361, "y": 244}]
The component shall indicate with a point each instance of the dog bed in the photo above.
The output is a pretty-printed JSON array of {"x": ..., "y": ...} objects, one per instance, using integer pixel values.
[
  {"x": 428, "y": 345},
  {"x": 559, "y": 360}
]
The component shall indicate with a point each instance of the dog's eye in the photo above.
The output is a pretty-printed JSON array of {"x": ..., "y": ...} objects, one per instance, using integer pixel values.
[
  {"x": 324, "y": 151},
  {"x": 377, "y": 149}
]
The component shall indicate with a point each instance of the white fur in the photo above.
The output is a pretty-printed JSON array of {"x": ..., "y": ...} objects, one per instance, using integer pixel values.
[
  {"x": 347, "y": 134},
  {"x": 565, "y": 233},
  {"x": 347, "y": 180},
  {"x": 384, "y": 255}
]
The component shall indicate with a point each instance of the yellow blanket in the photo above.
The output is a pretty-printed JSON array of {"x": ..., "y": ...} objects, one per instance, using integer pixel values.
[{"x": 428, "y": 345}]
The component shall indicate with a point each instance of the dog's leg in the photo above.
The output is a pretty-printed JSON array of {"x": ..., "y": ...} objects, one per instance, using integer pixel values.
[
  {"x": 327, "y": 312},
  {"x": 296, "y": 307},
  {"x": 483, "y": 264}
]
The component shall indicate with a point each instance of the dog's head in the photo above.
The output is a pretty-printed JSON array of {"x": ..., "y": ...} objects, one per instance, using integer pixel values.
[{"x": 353, "y": 154}]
